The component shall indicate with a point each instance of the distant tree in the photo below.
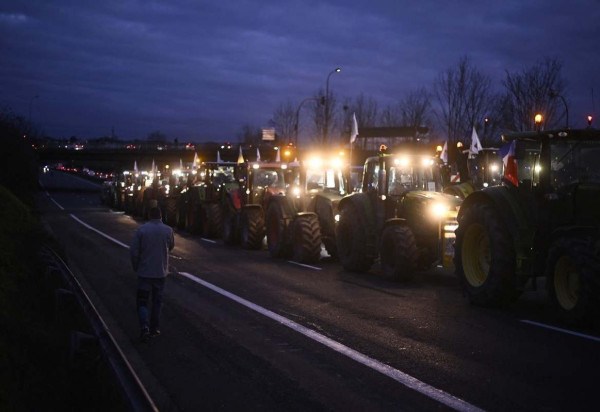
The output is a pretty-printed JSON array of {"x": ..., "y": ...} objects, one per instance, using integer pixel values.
[
  {"x": 250, "y": 134},
  {"x": 464, "y": 97},
  {"x": 157, "y": 136},
  {"x": 531, "y": 91},
  {"x": 366, "y": 110},
  {"x": 325, "y": 133},
  {"x": 284, "y": 119},
  {"x": 18, "y": 165}
]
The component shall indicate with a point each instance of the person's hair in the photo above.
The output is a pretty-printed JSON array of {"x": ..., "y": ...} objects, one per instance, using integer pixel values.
[{"x": 154, "y": 213}]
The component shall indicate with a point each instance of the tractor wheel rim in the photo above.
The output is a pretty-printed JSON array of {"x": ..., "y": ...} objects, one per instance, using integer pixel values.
[
  {"x": 566, "y": 283},
  {"x": 476, "y": 255}
]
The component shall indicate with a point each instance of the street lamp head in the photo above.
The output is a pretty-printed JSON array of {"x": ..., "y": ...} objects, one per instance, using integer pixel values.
[{"x": 337, "y": 69}]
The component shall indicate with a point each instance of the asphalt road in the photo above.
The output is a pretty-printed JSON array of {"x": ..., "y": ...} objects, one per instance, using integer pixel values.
[{"x": 242, "y": 331}]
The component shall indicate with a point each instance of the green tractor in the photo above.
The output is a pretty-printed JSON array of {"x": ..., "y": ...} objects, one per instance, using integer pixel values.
[
  {"x": 244, "y": 203},
  {"x": 302, "y": 219},
  {"x": 199, "y": 209},
  {"x": 400, "y": 216},
  {"x": 543, "y": 221}
]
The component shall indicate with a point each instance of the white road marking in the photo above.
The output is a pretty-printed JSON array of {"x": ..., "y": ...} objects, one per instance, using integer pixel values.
[
  {"x": 304, "y": 265},
  {"x": 208, "y": 240},
  {"x": 401, "y": 377},
  {"x": 395, "y": 374},
  {"x": 99, "y": 232},
  {"x": 568, "y": 332},
  {"x": 55, "y": 202}
]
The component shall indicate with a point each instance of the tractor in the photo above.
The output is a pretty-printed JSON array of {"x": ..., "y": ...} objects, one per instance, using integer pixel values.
[
  {"x": 542, "y": 221},
  {"x": 400, "y": 216},
  {"x": 302, "y": 219},
  {"x": 244, "y": 204},
  {"x": 199, "y": 210},
  {"x": 468, "y": 172}
]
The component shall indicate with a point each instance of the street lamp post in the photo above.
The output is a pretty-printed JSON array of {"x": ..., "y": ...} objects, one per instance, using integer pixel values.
[
  {"x": 326, "y": 127},
  {"x": 297, "y": 118}
]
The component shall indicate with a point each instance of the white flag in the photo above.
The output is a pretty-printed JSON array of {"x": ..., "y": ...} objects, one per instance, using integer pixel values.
[
  {"x": 257, "y": 155},
  {"x": 475, "y": 143},
  {"x": 135, "y": 168},
  {"x": 195, "y": 161},
  {"x": 240, "y": 156},
  {"x": 153, "y": 168},
  {"x": 219, "y": 157},
  {"x": 180, "y": 164},
  {"x": 354, "y": 131},
  {"x": 444, "y": 154},
  {"x": 278, "y": 156}
]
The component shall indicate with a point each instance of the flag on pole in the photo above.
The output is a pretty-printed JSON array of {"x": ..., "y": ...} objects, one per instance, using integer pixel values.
[
  {"x": 180, "y": 164},
  {"x": 195, "y": 161},
  {"x": 278, "y": 155},
  {"x": 475, "y": 143},
  {"x": 153, "y": 168},
  {"x": 510, "y": 163},
  {"x": 240, "y": 156},
  {"x": 354, "y": 129},
  {"x": 219, "y": 157},
  {"x": 257, "y": 155},
  {"x": 444, "y": 154},
  {"x": 135, "y": 168}
]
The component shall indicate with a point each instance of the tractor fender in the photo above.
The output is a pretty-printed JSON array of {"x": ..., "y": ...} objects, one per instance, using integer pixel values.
[
  {"x": 461, "y": 190},
  {"x": 397, "y": 221},
  {"x": 507, "y": 205}
]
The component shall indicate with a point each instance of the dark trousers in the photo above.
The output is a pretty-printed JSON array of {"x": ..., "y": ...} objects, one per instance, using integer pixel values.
[{"x": 149, "y": 288}]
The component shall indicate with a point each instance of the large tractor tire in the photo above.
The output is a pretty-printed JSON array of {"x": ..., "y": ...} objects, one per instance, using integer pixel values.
[
  {"x": 572, "y": 280},
  {"x": 171, "y": 211},
  {"x": 252, "y": 228},
  {"x": 351, "y": 242},
  {"x": 327, "y": 225},
  {"x": 276, "y": 225},
  {"x": 211, "y": 220},
  {"x": 231, "y": 232},
  {"x": 398, "y": 251},
  {"x": 484, "y": 257},
  {"x": 192, "y": 220},
  {"x": 181, "y": 213},
  {"x": 306, "y": 238}
]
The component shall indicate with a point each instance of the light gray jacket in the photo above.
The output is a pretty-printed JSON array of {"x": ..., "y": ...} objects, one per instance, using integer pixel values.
[{"x": 150, "y": 248}]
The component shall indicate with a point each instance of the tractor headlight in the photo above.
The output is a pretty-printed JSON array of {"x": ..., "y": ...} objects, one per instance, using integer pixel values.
[
  {"x": 296, "y": 191},
  {"x": 438, "y": 210},
  {"x": 336, "y": 217}
]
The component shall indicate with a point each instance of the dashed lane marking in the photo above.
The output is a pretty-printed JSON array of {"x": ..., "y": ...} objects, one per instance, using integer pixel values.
[{"x": 568, "y": 332}]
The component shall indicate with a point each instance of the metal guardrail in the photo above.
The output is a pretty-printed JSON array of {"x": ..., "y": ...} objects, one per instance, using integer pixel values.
[{"x": 134, "y": 392}]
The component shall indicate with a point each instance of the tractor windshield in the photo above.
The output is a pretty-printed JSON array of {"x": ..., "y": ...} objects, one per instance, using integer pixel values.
[
  {"x": 268, "y": 178},
  {"x": 575, "y": 161},
  {"x": 322, "y": 179},
  {"x": 406, "y": 174}
]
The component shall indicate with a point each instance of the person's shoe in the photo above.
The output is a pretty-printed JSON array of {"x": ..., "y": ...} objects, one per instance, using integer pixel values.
[
  {"x": 145, "y": 335},
  {"x": 154, "y": 333}
]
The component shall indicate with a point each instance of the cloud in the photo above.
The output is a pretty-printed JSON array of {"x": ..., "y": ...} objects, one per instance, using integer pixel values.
[{"x": 203, "y": 69}]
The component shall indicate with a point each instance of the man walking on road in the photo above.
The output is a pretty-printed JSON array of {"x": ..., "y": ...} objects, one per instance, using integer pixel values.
[{"x": 150, "y": 259}]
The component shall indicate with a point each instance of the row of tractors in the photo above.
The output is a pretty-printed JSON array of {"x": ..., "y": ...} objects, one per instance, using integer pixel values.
[{"x": 528, "y": 210}]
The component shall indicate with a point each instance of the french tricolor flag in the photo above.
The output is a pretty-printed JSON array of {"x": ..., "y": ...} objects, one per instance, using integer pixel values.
[{"x": 510, "y": 163}]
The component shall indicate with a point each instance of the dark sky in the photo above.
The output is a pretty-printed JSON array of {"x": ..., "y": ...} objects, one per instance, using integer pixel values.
[{"x": 200, "y": 70}]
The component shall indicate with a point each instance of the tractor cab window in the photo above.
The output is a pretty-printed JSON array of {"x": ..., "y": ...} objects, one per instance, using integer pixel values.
[
  {"x": 574, "y": 161},
  {"x": 222, "y": 175},
  {"x": 413, "y": 174},
  {"x": 268, "y": 178},
  {"x": 528, "y": 162},
  {"x": 371, "y": 175}
]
